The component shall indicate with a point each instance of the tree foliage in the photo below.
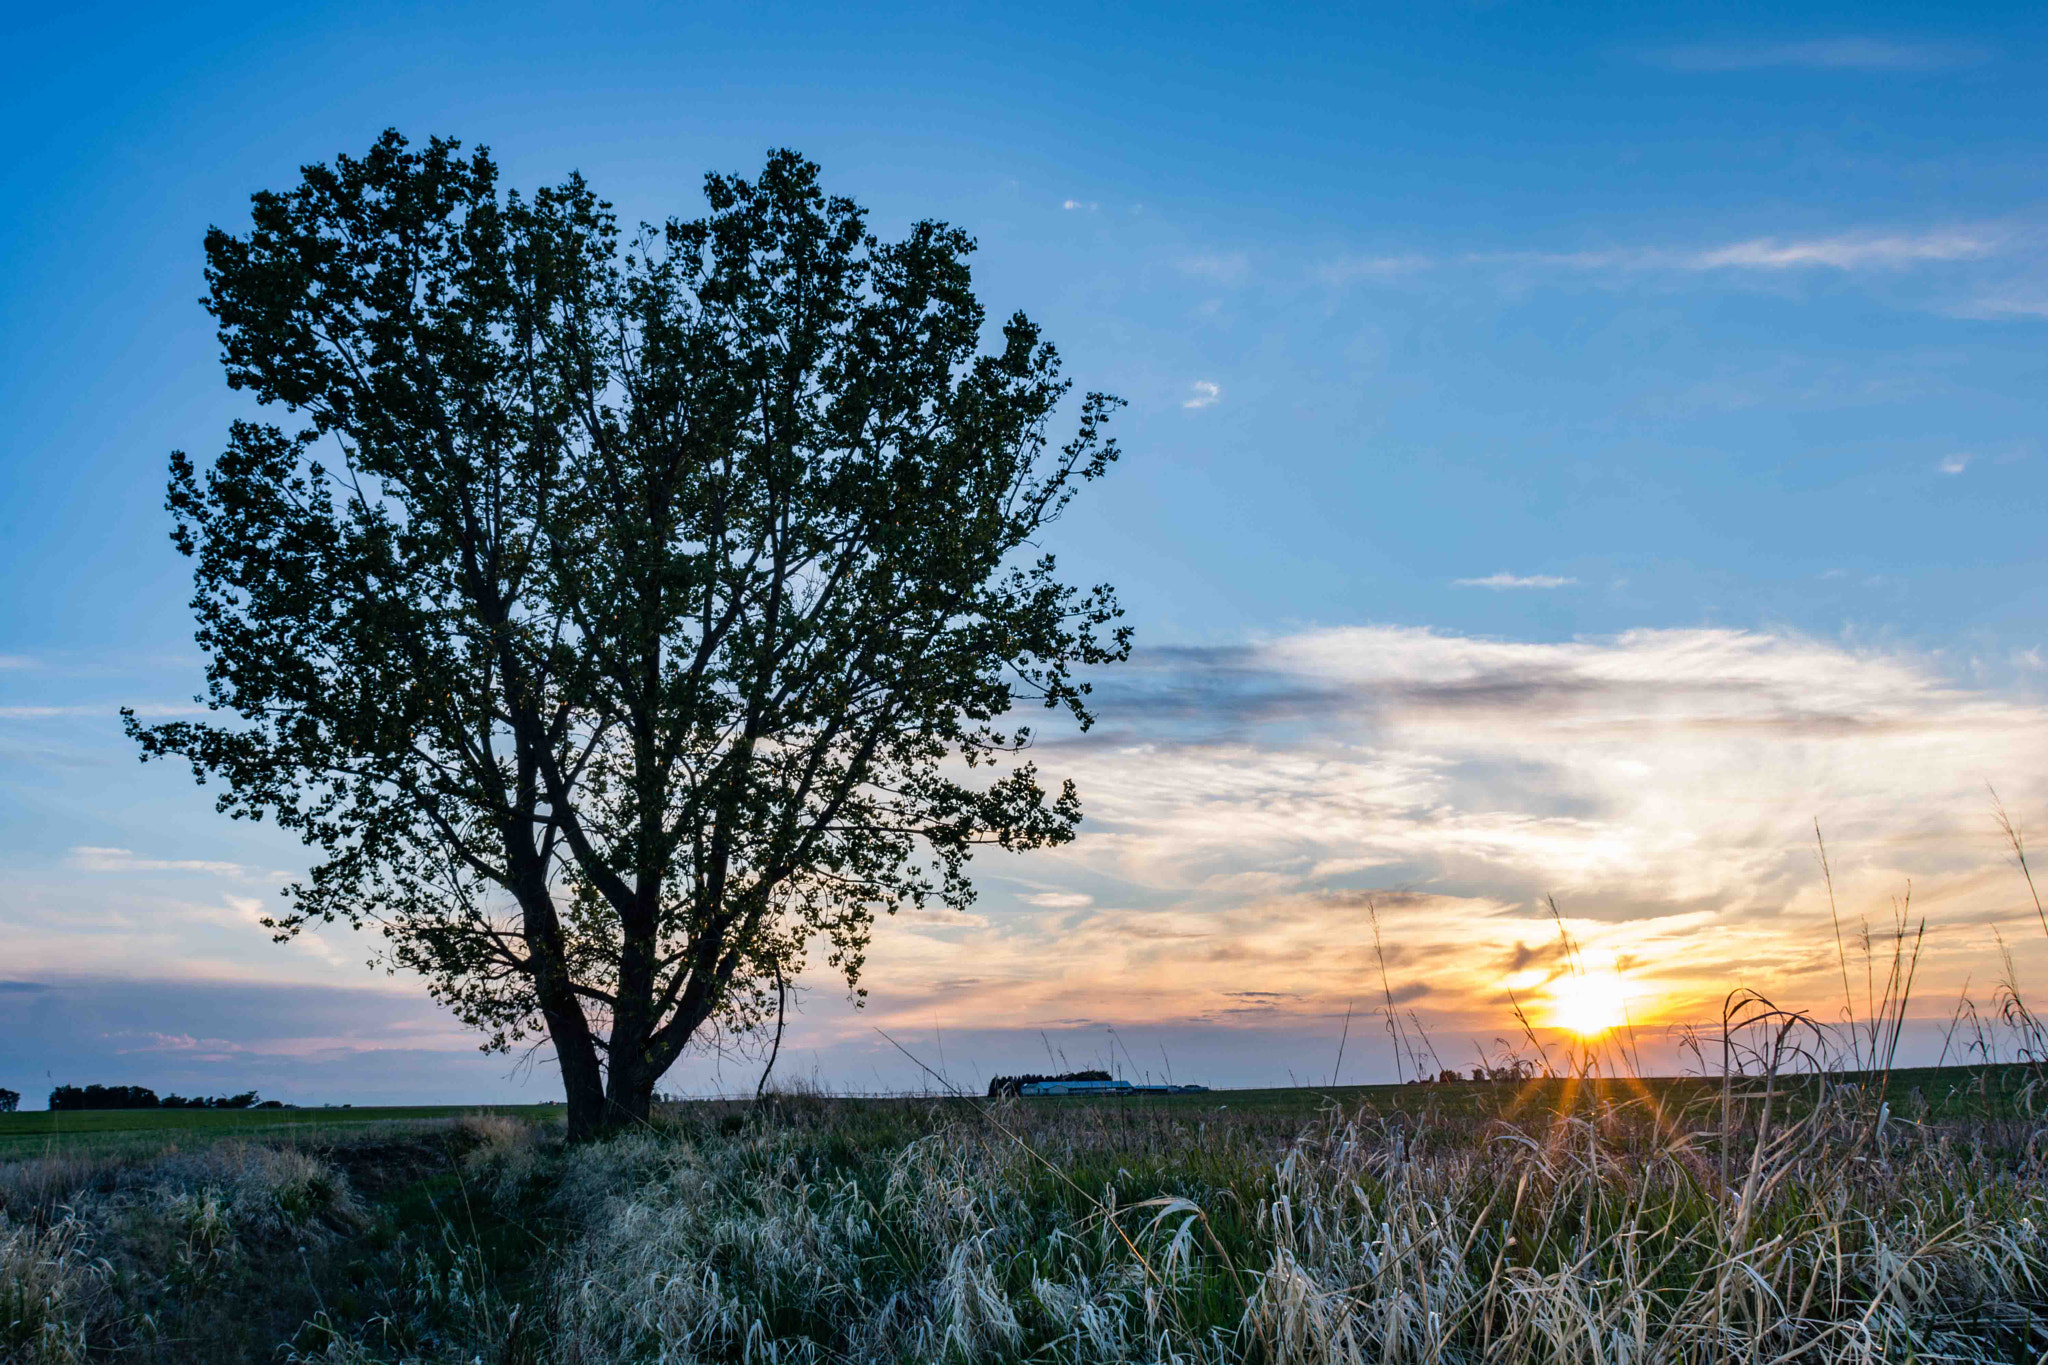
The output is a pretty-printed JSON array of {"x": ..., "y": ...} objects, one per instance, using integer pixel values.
[
  {"x": 623, "y": 614},
  {"x": 103, "y": 1097}
]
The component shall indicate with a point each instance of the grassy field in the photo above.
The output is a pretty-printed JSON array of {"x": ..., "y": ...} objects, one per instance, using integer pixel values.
[
  {"x": 1850, "y": 1218},
  {"x": 1948, "y": 1093},
  {"x": 1952, "y": 1090},
  {"x": 136, "y": 1131}
]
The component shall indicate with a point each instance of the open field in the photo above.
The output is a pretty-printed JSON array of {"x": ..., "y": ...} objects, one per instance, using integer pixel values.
[
  {"x": 137, "y": 1131},
  {"x": 1790, "y": 1220},
  {"x": 1951, "y": 1092}
]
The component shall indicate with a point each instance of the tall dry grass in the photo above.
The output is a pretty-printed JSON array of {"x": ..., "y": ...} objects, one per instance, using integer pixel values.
[
  {"x": 113, "y": 1258},
  {"x": 1770, "y": 1217},
  {"x": 1798, "y": 1202},
  {"x": 1793, "y": 1204},
  {"x": 1606, "y": 1232}
]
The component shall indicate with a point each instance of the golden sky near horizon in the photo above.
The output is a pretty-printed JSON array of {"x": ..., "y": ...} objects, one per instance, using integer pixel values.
[{"x": 1247, "y": 804}]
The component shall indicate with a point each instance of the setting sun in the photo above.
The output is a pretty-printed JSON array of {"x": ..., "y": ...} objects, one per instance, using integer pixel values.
[{"x": 1589, "y": 1005}]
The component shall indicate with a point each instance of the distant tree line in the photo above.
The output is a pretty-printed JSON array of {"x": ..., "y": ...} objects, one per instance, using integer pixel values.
[
  {"x": 10, "y": 1100},
  {"x": 1010, "y": 1085},
  {"x": 1515, "y": 1069},
  {"x": 142, "y": 1097}
]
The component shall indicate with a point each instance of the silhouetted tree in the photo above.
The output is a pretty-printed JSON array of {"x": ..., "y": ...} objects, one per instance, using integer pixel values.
[
  {"x": 245, "y": 1100},
  {"x": 103, "y": 1097},
  {"x": 625, "y": 612},
  {"x": 10, "y": 1100}
]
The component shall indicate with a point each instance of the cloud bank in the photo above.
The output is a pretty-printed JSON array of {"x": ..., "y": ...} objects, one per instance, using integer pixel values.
[
  {"x": 1250, "y": 805},
  {"x": 1247, "y": 803},
  {"x": 304, "y": 1044}
]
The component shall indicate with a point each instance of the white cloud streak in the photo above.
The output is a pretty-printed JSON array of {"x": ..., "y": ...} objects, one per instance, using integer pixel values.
[
  {"x": 1869, "y": 250},
  {"x": 1826, "y": 54},
  {"x": 1059, "y": 900},
  {"x": 1856, "y": 251},
  {"x": 87, "y": 858},
  {"x": 1206, "y": 392},
  {"x": 1508, "y": 580},
  {"x": 1849, "y": 251}
]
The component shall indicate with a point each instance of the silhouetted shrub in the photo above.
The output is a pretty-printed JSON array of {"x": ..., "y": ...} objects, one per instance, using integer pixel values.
[
  {"x": 141, "y": 1097},
  {"x": 245, "y": 1100},
  {"x": 104, "y": 1097}
]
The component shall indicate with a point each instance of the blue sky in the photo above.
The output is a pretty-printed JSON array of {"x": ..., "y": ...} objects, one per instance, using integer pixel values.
[{"x": 1678, "y": 367}]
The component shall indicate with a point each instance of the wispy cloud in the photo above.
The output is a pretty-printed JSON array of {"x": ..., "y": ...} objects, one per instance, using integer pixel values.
[
  {"x": 1226, "y": 267},
  {"x": 1206, "y": 392},
  {"x": 153, "y": 1041},
  {"x": 1856, "y": 251},
  {"x": 87, "y": 858},
  {"x": 1059, "y": 900},
  {"x": 1080, "y": 205},
  {"x": 306, "y": 1042},
  {"x": 1824, "y": 54},
  {"x": 1351, "y": 269},
  {"x": 1508, "y": 580},
  {"x": 2022, "y": 302},
  {"x": 1866, "y": 250},
  {"x": 1953, "y": 464}
]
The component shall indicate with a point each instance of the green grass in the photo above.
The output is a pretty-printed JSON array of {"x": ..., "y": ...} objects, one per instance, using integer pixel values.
[
  {"x": 93, "y": 1132},
  {"x": 1871, "y": 1218},
  {"x": 1950, "y": 1092},
  {"x": 1535, "y": 1223}
]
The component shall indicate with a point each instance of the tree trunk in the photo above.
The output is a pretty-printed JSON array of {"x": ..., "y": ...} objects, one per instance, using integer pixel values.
[
  {"x": 629, "y": 1091},
  {"x": 630, "y": 1099},
  {"x": 781, "y": 1005},
  {"x": 582, "y": 1081},
  {"x": 568, "y": 1029}
]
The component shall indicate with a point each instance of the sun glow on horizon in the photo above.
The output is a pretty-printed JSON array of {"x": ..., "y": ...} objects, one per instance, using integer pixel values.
[{"x": 1589, "y": 1004}]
